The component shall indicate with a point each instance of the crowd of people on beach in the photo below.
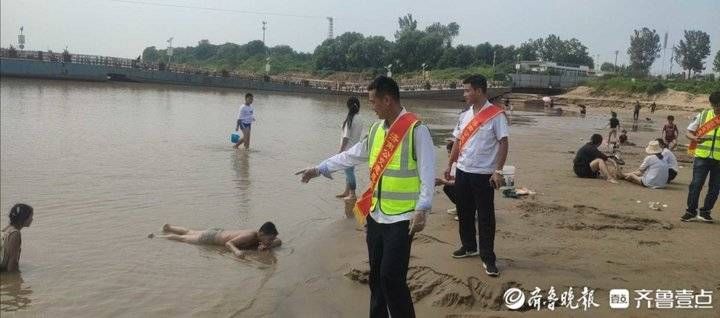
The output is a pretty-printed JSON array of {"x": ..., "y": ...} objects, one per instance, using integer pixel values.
[
  {"x": 660, "y": 166},
  {"x": 401, "y": 155}
]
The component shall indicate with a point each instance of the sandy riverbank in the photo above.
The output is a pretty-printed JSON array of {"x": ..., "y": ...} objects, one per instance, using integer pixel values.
[{"x": 573, "y": 233}]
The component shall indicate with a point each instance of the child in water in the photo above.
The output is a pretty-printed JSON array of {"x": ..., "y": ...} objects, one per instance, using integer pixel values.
[{"x": 235, "y": 240}]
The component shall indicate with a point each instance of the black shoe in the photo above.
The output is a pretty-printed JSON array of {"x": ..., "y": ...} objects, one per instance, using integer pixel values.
[
  {"x": 491, "y": 270},
  {"x": 705, "y": 217},
  {"x": 462, "y": 253},
  {"x": 687, "y": 217}
]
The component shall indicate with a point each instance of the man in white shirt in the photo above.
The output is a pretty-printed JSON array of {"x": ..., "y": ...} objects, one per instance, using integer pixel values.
[
  {"x": 389, "y": 233},
  {"x": 245, "y": 118},
  {"x": 706, "y": 164},
  {"x": 479, "y": 173}
]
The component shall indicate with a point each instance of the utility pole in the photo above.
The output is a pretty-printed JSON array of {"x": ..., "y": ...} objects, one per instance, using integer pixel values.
[
  {"x": 267, "y": 50},
  {"x": 616, "y": 55},
  {"x": 494, "y": 55},
  {"x": 662, "y": 72},
  {"x": 169, "y": 52},
  {"x": 21, "y": 39},
  {"x": 263, "y": 28},
  {"x": 330, "y": 28}
]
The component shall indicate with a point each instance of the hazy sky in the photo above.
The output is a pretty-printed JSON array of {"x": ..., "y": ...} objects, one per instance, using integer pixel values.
[{"x": 124, "y": 28}]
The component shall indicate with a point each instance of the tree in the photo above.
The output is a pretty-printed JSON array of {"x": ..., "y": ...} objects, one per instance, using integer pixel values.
[
  {"x": 716, "y": 64},
  {"x": 406, "y": 24},
  {"x": 12, "y": 52},
  {"x": 465, "y": 55},
  {"x": 204, "y": 50},
  {"x": 448, "y": 59},
  {"x": 607, "y": 67},
  {"x": 448, "y": 32},
  {"x": 644, "y": 49},
  {"x": 692, "y": 50},
  {"x": 528, "y": 51},
  {"x": 554, "y": 49},
  {"x": 150, "y": 54},
  {"x": 484, "y": 53}
]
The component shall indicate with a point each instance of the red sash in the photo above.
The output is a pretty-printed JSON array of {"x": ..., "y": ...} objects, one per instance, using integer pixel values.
[
  {"x": 704, "y": 129},
  {"x": 393, "y": 138},
  {"x": 480, "y": 119}
]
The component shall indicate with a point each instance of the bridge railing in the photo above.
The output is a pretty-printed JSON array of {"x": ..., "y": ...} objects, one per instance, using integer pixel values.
[{"x": 344, "y": 86}]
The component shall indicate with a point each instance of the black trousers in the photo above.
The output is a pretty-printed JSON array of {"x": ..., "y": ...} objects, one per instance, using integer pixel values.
[
  {"x": 475, "y": 203},
  {"x": 389, "y": 254},
  {"x": 450, "y": 192}
]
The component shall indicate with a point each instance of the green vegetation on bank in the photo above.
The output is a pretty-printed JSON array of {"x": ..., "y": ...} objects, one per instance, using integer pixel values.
[
  {"x": 653, "y": 86},
  {"x": 412, "y": 50}
]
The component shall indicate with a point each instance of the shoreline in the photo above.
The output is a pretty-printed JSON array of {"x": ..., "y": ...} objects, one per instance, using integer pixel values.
[{"x": 573, "y": 233}]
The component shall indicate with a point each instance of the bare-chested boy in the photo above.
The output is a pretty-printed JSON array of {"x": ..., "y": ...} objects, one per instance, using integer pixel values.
[{"x": 235, "y": 240}]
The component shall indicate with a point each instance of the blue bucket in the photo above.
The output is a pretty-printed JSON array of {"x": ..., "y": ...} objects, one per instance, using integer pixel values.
[{"x": 234, "y": 137}]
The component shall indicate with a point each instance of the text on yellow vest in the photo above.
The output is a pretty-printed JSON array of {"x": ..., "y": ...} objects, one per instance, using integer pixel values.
[
  {"x": 710, "y": 148},
  {"x": 399, "y": 187}
]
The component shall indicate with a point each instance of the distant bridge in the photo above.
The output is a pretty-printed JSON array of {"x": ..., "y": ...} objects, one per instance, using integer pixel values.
[{"x": 35, "y": 64}]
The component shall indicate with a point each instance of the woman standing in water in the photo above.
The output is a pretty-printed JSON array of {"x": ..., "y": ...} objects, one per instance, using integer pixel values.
[
  {"x": 352, "y": 129},
  {"x": 21, "y": 215}
]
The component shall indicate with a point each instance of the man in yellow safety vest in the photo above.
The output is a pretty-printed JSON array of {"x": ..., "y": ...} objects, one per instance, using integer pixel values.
[
  {"x": 401, "y": 156},
  {"x": 704, "y": 134}
]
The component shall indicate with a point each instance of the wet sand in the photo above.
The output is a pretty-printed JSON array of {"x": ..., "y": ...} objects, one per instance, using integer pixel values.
[
  {"x": 98, "y": 195},
  {"x": 573, "y": 233}
]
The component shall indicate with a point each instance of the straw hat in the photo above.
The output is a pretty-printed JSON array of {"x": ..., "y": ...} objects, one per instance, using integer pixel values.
[{"x": 653, "y": 148}]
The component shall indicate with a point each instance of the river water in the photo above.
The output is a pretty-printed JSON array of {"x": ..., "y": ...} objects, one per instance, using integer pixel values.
[{"x": 105, "y": 164}]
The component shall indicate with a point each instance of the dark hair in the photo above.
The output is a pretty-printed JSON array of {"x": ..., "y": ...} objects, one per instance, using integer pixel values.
[
  {"x": 248, "y": 95},
  {"x": 661, "y": 142},
  {"x": 19, "y": 214},
  {"x": 596, "y": 139},
  {"x": 613, "y": 114},
  {"x": 269, "y": 229},
  {"x": 671, "y": 117},
  {"x": 383, "y": 86},
  {"x": 449, "y": 145},
  {"x": 715, "y": 98},
  {"x": 477, "y": 81},
  {"x": 353, "y": 105}
]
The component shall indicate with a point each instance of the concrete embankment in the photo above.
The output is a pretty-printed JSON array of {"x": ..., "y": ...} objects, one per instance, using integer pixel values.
[{"x": 100, "y": 73}]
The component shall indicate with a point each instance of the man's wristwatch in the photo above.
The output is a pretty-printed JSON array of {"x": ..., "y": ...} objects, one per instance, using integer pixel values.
[{"x": 499, "y": 172}]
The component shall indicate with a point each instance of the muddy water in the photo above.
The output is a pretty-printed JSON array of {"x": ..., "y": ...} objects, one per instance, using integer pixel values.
[{"x": 104, "y": 165}]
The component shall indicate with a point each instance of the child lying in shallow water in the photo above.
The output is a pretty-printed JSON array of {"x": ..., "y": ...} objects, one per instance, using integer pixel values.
[{"x": 235, "y": 240}]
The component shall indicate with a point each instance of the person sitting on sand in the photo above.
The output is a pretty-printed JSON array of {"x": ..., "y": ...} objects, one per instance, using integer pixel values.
[
  {"x": 670, "y": 159},
  {"x": 263, "y": 239},
  {"x": 592, "y": 163},
  {"x": 653, "y": 172},
  {"x": 583, "y": 110}
]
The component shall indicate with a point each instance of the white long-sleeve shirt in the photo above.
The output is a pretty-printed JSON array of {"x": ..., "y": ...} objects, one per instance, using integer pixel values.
[{"x": 425, "y": 152}]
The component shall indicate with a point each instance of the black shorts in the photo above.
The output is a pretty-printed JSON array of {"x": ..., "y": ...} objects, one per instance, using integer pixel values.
[
  {"x": 671, "y": 175},
  {"x": 585, "y": 172}
]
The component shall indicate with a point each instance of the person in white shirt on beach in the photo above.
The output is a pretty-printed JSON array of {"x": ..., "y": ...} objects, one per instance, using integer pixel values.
[
  {"x": 653, "y": 172},
  {"x": 245, "y": 118},
  {"x": 394, "y": 217},
  {"x": 479, "y": 173}
]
